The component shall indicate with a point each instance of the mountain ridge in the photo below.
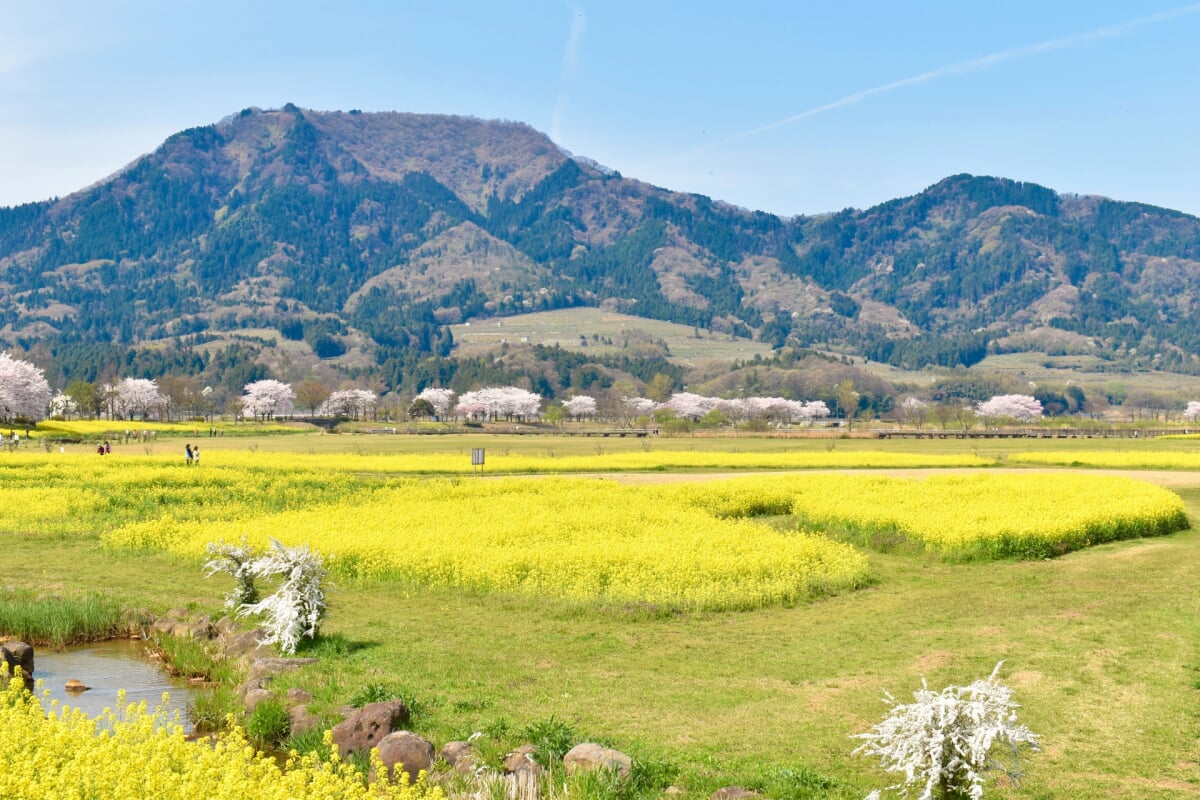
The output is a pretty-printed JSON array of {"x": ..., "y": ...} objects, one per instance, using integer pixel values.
[{"x": 381, "y": 228}]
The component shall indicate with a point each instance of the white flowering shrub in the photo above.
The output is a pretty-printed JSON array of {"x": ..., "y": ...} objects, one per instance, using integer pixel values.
[
  {"x": 234, "y": 560},
  {"x": 296, "y": 607},
  {"x": 942, "y": 743}
]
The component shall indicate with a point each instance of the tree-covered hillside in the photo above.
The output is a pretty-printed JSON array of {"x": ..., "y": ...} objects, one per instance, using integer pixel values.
[{"x": 361, "y": 236}]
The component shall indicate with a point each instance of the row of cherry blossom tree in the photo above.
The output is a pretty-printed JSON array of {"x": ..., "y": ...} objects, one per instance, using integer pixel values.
[
  {"x": 509, "y": 402},
  {"x": 24, "y": 392}
]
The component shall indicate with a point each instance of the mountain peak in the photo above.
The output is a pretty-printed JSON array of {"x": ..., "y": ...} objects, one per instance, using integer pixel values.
[{"x": 379, "y": 227}]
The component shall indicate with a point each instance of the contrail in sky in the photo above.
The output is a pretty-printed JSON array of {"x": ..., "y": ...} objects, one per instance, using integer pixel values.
[
  {"x": 569, "y": 61},
  {"x": 961, "y": 67}
]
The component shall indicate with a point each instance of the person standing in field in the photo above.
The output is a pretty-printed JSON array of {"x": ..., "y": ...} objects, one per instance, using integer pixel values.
[
  {"x": 187, "y": 454},
  {"x": 196, "y": 455}
]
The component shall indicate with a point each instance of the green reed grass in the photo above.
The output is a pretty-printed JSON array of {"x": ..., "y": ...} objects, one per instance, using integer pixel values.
[{"x": 58, "y": 620}]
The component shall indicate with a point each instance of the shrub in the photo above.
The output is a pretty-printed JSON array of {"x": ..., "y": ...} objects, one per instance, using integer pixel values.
[
  {"x": 237, "y": 561},
  {"x": 942, "y": 742},
  {"x": 296, "y": 608}
]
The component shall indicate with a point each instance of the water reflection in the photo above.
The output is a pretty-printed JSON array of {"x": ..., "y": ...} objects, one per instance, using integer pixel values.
[{"x": 109, "y": 667}]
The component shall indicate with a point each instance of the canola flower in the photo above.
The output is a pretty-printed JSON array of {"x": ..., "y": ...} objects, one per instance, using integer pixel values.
[
  {"x": 1113, "y": 459},
  {"x": 688, "y": 545},
  {"x": 110, "y": 427},
  {"x": 459, "y": 462},
  {"x": 994, "y": 515},
  {"x": 51, "y": 751},
  {"x": 572, "y": 539}
]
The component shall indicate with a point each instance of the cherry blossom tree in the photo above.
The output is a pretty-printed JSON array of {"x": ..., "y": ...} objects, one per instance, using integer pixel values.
[
  {"x": 816, "y": 409},
  {"x": 135, "y": 397},
  {"x": 63, "y": 405},
  {"x": 916, "y": 411},
  {"x": 1021, "y": 407},
  {"x": 442, "y": 400},
  {"x": 638, "y": 406},
  {"x": 495, "y": 402},
  {"x": 267, "y": 399},
  {"x": 691, "y": 406},
  {"x": 580, "y": 406},
  {"x": 353, "y": 403},
  {"x": 24, "y": 391},
  {"x": 1192, "y": 412}
]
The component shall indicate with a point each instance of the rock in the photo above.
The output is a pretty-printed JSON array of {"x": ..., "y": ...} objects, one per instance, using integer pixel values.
[
  {"x": 262, "y": 670},
  {"x": 303, "y": 720},
  {"x": 253, "y": 698},
  {"x": 460, "y": 755},
  {"x": 734, "y": 793},
  {"x": 179, "y": 623},
  {"x": 521, "y": 760},
  {"x": 588, "y": 756},
  {"x": 226, "y": 627},
  {"x": 18, "y": 655},
  {"x": 244, "y": 644},
  {"x": 366, "y": 727},
  {"x": 75, "y": 685},
  {"x": 402, "y": 751},
  {"x": 298, "y": 697}
]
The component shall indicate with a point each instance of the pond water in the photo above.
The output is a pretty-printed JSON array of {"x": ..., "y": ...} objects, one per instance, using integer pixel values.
[{"x": 109, "y": 667}]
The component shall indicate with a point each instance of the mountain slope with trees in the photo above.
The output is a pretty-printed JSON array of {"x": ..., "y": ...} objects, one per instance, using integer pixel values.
[{"x": 362, "y": 235}]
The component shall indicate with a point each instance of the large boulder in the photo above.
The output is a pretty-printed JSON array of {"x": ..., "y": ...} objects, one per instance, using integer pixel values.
[
  {"x": 589, "y": 756},
  {"x": 366, "y": 727},
  {"x": 18, "y": 656},
  {"x": 403, "y": 751}
]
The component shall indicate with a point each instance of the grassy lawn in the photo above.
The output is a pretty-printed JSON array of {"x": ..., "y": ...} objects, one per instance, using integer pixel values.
[
  {"x": 591, "y": 330},
  {"x": 1100, "y": 646}
]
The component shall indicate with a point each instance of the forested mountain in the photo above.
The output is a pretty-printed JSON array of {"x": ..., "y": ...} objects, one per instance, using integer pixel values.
[{"x": 374, "y": 231}]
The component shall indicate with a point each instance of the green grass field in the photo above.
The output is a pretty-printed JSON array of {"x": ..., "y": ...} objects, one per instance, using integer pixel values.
[
  {"x": 565, "y": 328},
  {"x": 1102, "y": 648}
]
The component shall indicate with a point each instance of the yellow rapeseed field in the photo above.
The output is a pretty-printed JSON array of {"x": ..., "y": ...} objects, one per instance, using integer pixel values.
[
  {"x": 459, "y": 462},
  {"x": 993, "y": 515},
  {"x": 679, "y": 545},
  {"x": 48, "y": 751},
  {"x": 1112, "y": 459},
  {"x": 574, "y": 539},
  {"x": 94, "y": 428}
]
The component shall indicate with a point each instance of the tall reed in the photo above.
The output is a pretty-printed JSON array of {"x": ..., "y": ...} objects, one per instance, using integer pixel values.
[{"x": 58, "y": 620}]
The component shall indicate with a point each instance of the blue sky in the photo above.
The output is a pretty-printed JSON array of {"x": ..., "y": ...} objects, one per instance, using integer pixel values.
[{"x": 796, "y": 107}]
